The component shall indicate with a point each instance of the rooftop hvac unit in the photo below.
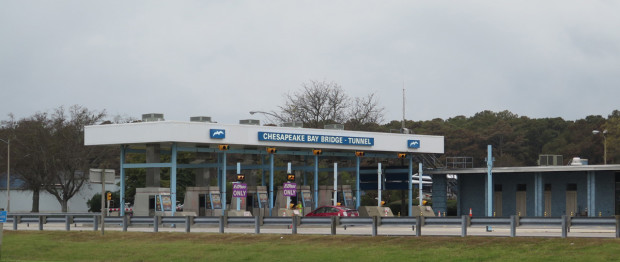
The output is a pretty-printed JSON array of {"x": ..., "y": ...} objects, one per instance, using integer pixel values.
[
  {"x": 550, "y": 160},
  {"x": 152, "y": 117},
  {"x": 297, "y": 124},
  {"x": 334, "y": 126},
  {"x": 200, "y": 119},
  {"x": 255, "y": 122}
]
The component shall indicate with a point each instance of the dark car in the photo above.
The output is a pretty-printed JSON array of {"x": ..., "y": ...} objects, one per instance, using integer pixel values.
[{"x": 328, "y": 211}]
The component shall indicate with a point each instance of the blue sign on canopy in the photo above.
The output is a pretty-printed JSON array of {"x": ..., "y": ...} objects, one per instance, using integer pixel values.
[
  {"x": 2, "y": 216},
  {"x": 316, "y": 139}
]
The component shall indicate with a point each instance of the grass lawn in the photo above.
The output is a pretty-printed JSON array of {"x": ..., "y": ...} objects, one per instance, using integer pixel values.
[{"x": 131, "y": 246}]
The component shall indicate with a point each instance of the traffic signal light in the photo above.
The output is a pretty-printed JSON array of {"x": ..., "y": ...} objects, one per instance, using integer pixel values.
[
  {"x": 290, "y": 177},
  {"x": 109, "y": 196},
  {"x": 240, "y": 177},
  {"x": 317, "y": 152},
  {"x": 359, "y": 153},
  {"x": 402, "y": 155},
  {"x": 271, "y": 150},
  {"x": 223, "y": 147}
]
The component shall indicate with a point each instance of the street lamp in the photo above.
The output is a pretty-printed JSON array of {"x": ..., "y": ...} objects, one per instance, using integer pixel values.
[
  {"x": 263, "y": 112},
  {"x": 8, "y": 173},
  {"x": 596, "y": 132}
]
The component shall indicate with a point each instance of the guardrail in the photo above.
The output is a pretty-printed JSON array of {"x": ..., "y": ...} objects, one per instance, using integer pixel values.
[{"x": 416, "y": 223}]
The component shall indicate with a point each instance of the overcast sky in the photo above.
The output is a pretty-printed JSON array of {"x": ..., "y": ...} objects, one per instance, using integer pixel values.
[{"x": 225, "y": 58}]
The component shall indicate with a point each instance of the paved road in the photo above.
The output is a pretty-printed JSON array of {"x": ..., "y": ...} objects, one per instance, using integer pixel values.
[{"x": 602, "y": 232}]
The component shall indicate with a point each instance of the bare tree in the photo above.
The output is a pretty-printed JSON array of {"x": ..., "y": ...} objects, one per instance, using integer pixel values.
[
  {"x": 68, "y": 164},
  {"x": 320, "y": 102},
  {"x": 363, "y": 112}
]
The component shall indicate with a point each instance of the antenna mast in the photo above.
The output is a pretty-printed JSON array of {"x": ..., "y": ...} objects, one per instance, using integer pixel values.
[{"x": 403, "y": 123}]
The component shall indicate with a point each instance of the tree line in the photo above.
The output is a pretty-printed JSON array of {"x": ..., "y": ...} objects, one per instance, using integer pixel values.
[{"x": 48, "y": 152}]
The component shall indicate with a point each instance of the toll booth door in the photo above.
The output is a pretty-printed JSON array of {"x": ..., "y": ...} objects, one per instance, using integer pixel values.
[
  {"x": 521, "y": 203},
  {"x": 571, "y": 203},
  {"x": 497, "y": 203},
  {"x": 547, "y": 203}
]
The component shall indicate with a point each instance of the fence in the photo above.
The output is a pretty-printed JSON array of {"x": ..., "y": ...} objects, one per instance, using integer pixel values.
[{"x": 416, "y": 223}]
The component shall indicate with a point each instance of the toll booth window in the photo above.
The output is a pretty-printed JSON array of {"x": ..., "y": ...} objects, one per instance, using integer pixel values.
[
  {"x": 151, "y": 202},
  {"x": 571, "y": 187},
  {"x": 263, "y": 199},
  {"x": 208, "y": 202},
  {"x": 498, "y": 188},
  {"x": 157, "y": 203},
  {"x": 521, "y": 187}
]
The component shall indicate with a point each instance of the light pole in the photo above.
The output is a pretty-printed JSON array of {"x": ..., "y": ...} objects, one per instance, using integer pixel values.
[
  {"x": 595, "y": 132},
  {"x": 8, "y": 173}
]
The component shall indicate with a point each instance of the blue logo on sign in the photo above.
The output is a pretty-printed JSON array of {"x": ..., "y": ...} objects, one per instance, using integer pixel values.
[
  {"x": 217, "y": 133},
  {"x": 2, "y": 216},
  {"x": 413, "y": 143}
]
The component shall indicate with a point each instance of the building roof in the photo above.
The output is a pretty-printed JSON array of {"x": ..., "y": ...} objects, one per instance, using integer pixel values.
[
  {"x": 526, "y": 169},
  {"x": 254, "y": 136}
]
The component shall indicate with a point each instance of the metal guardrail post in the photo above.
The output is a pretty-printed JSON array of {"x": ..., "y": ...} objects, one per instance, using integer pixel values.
[
  {"x": 294, "y": 222},
  {"x": 464, "y": 222},
  {"x": 188, "y": 222},
  {"x": 374, "y": 225},
  {"x": 418, "y": 226},
  {"x": 513, "y": 226},
  {"x": 564, "y": 226},
  {"x": 156, "y": 221},
  {"x": 16, "y": 221},
  {"x": 125, "y": 223},
  {"x": 68, "y": 222},
  {"x": 95, "y": 223},
  {"x": 222, "y": 221},
  {"x": 617, "y": 226},
  {"x": 42, "y": 220},
  {"x": 333, "y": 225},
  {"x": 257, "y": 220}
]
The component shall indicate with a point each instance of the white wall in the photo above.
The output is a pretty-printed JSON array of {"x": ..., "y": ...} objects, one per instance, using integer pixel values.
[{"x": 21, "y": 200}]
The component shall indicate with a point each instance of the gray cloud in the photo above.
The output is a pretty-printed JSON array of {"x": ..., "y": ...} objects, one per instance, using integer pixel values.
[{"x": 223, "y": 59}]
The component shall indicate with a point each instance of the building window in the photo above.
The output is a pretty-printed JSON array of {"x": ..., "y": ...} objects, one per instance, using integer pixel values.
[
  {"x": 498, "y": 188},
  {"x": 571, "y": 187},
  {"x": 547, "y": 187},
  {"x": 521, "y": 187}
]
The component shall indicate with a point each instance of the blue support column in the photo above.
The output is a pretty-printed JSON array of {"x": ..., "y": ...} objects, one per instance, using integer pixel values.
[
  {"x": 316, "y": 181},
  {"x": 459, "y": 195},
  {"x": 173, "y": 178},
  {"x": 223, "y": 189},
  {"x": 262, "y": 162},
  {"x": 271, "y": 184},
  {"x": 410, "y": 204},
  {"x": 539, "y": 201},
  {"x": 122, "y": 170},
  {"x": 219, "y": 170},
  {"x": 420, "y": 173},
  {"x": 489, "y": 194},
  {"x": 591, "y": 187},
  {"x": 357, "y": 183}
]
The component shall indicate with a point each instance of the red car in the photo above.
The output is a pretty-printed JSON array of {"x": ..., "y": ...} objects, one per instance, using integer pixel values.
[{"x": 327, "y": 211}]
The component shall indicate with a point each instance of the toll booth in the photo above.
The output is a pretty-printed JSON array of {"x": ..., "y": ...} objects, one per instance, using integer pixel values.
[
  {"x": 258, "y": 200},
  {"x": 203, "y": 201},
  {"x": 345, "y": 196},
  {"x": 243, "y": 206},
  {"x": 305, "y": 195},
  {"x": 151, "y": 201},
  {"x": 326, "y": 195},
  {"x": 281, "y": 207}
]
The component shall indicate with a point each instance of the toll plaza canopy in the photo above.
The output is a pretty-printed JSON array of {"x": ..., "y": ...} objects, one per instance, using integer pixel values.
[{"x": 223, "y": 139}]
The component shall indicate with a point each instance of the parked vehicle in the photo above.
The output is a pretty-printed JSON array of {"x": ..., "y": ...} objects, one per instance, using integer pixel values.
[{"x": 327, "y": 211}]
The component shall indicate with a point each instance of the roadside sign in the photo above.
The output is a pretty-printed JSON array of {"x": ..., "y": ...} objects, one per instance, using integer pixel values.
[
  {"x": 2, "y": 216},
  {"x": 240, "y": 190},
  {"x": 290, "y": 189}
]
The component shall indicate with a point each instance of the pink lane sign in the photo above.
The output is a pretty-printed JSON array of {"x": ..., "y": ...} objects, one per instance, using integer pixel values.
[
  {"x": 290, "y": 189},
  {"x": 240, "y": 190}
]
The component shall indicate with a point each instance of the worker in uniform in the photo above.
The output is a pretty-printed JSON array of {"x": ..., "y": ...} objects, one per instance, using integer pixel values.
[{"x": 300, "y": 207}]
